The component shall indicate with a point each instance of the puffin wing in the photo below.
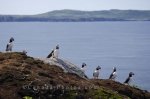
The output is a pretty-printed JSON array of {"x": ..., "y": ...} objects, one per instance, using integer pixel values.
[
  {"x": 114, "y": 75},
  {"x": 111, "y": 75},
  {"x": 127, "y": 80},
  {"x": 7, "y": 46},
  {"x": 50, "y": 55}
]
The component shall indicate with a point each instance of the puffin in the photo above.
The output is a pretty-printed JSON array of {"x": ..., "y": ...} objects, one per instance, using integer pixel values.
[
  {"x": 54, "y": 53},
  {"x": 83, "y": 67},
  {"x": 96, "y": 72},
  {"x": 10, "y": 44},
  {"x": 129, "y": 79},
  {"x": 24, "y": 52},
  {"x": 113, "y": 75}
]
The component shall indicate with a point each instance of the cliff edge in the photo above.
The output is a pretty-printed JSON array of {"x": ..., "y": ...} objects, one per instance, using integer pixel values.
[{"x": 22, "y": 76}]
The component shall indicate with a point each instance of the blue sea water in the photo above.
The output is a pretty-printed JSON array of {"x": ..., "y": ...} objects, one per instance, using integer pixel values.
[{"x": 125, "y": 45}]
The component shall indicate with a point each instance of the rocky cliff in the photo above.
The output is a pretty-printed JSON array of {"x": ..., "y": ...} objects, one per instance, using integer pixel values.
[{"x": 22, "y": 76}]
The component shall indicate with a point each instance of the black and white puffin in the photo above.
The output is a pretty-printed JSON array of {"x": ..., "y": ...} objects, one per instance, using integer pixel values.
[
  {"x": 96, "y": 72},
  {"x": 129, "y": 79},
  {"x": 10, "y": 44},
  {"x": 24, "y": 52},
  {"x": 113, "y": 75},
  {"x": 83, "y": 67},
  {"x": 54, "y": 53}
]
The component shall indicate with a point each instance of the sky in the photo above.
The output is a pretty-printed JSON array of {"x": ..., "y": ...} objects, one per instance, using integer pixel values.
[{"x": 31, "y": 7}]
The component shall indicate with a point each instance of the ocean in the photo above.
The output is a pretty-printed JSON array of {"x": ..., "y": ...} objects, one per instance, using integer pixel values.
[{"x": 124, "y": 45}]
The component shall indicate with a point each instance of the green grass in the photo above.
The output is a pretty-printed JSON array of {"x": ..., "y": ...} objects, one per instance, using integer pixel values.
[{"x": 94, "y": 94}]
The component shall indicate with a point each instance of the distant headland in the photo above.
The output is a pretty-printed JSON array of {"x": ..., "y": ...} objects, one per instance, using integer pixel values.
[{"x": 81, "y": 16}]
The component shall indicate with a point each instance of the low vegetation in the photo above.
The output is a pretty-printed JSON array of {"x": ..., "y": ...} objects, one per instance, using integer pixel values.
[{"x": 23, "y": 77}]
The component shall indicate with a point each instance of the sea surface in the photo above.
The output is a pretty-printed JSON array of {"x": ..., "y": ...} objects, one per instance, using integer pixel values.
[{"x": 124, "y": 45}]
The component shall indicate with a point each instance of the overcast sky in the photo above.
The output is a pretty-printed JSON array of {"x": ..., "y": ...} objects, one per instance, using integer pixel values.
[{"x": 40, "y": 6}]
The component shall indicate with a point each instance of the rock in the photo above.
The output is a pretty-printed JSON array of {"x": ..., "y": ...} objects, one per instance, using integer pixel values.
[{"x": 65, "y": 65}]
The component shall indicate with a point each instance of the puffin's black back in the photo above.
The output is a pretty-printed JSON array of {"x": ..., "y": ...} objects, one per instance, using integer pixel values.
[
  {"x": 50, "y": 55},
  {"x": 127, "y": 80},
  {"x": 7, "y": 47},
  {"x": 110, "y": 77}
]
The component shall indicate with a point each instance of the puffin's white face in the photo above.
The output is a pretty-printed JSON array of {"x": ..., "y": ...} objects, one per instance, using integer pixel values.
[{"x": 84, "y": 67}]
